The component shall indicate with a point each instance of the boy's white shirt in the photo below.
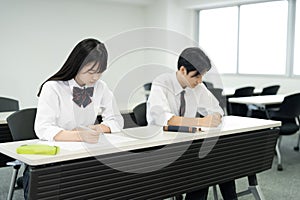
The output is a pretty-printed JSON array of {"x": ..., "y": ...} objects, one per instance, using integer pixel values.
[{"x": 164, "y": 100}]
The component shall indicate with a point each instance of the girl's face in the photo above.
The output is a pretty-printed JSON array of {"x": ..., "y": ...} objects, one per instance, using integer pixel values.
[{"x": 88, "y": 75}]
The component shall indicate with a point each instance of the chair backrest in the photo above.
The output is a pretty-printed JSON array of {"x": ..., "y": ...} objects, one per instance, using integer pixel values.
[
  {"x": 271, "y": 90},
  {"x": 21, "y": 124},
  {"x": 208, "y": 84},
  {"x": 218, "y": 93},
  {"x": 290, "y": 107},
  {"x": 140, "y": 114},
  {"x": 244, "y": 92},
  {"x": 7, "y": 104},
  {"x": 147, "y": 86}
]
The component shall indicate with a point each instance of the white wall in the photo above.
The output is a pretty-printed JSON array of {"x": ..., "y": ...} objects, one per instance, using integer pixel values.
[
  {"x": 37, "y": 36},
  {"x": 144, "y": 39}
]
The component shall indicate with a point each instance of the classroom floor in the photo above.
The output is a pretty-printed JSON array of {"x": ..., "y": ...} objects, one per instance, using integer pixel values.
[{"x": 275, "y": 185}]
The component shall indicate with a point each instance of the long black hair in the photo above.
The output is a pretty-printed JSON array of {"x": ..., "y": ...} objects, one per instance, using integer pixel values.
[{"x": 86, "y": 51}]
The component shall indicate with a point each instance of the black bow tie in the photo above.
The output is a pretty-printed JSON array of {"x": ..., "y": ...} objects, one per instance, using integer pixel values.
[{"x": 82, "y": 96}]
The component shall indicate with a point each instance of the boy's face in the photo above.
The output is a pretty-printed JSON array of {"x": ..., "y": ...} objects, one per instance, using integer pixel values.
[
  {"x": 190, "y": 79},
  {"x": 87, "y": 76}
]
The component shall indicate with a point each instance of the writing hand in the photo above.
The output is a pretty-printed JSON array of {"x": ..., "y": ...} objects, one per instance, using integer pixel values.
[
  {"x": 100, "y": 128},
  {"x": 87, "y": 134},
  {"x": 212, "y": 120}
]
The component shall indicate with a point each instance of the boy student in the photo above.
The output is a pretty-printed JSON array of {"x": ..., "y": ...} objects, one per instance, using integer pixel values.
[
  {"x": 175, "y": 99},
  {"x": 70, "y": 100}
]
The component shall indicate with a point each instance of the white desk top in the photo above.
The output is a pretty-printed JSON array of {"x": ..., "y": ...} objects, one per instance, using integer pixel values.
[
  {"x": 134, "y": 138},
  {"x": 258, "y": 100},
  {"x": 230, "y": 91},
  {"x": 3, "y": 116}
]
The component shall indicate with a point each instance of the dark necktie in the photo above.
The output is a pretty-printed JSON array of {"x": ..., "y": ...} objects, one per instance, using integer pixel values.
[
  {"x": 82, "y": 96},
  {"x": 182, "y": 104}
]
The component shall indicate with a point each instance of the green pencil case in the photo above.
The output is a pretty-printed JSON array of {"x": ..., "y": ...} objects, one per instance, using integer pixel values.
[{"x": 38, "y": 149}]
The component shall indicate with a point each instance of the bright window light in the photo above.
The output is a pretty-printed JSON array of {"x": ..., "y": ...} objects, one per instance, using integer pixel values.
[
  {"x": 297, "y": 41},
  {"x": 218, "y": 31},
  {"x": 263, "y": 35}
]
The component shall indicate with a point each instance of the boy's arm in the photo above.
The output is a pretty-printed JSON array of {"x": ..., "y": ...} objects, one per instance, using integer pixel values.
[{"x": 212, "y": 120}]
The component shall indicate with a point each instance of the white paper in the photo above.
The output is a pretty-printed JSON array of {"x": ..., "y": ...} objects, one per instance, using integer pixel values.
[{"x": 104, "y": 140}]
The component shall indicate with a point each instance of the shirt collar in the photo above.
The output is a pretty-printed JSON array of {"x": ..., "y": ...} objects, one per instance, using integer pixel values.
[
  {"x": 73, "y": 83},
  {"x": 176, "y": 85}
]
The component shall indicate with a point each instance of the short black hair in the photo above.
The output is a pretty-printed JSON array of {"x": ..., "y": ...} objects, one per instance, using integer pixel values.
[
  {"x": 194, "y": 59},
  {"x": 87, "y": 51}
]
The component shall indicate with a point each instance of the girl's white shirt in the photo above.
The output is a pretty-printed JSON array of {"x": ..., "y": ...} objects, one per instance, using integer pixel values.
[{"x": 56, "y": 110}]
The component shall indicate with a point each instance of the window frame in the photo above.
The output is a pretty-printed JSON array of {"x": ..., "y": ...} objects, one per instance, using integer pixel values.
[{"x": 289, "y": 42}]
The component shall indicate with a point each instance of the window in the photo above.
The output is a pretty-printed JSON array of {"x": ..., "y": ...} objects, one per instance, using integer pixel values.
[
  {"x": 297, "y": 41},
  {"x": 262, "y": 44},
  {"x": 218, "y": 37},
  {"x": 246, "y": 39}
]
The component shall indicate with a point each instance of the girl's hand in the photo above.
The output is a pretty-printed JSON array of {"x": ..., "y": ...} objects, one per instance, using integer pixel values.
[
  {"x": 100, "y": 128},
  {"x": 89, "y": 136}
]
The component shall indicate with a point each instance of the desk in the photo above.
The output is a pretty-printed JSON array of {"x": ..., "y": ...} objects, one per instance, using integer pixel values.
[
  {"x": 230, "y": 91},
  {"x": 3, "y": 116},
  {"x": 151, "y": 168},
  {"x": 259, "y": 101},
  {"x": 5, "y": 136}
]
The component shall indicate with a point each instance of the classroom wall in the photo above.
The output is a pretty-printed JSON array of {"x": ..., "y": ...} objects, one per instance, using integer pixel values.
[{"x": 38, "y": 35}]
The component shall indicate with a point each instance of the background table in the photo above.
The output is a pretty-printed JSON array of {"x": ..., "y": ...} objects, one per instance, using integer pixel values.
[{"x": 260, "y": 102}]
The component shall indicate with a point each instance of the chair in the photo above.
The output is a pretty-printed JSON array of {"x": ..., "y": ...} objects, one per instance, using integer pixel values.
[
  {"x": 244, "y": 92},
  {"x": 218, "y": 93},
  {"x": 7, "y": 104},
  {"x": 208, "y": 84},
  {"x": 140, "y": 114},
  {"x": 271, "y": 90},
  {"x": 239, "y": 109},
  {"x": 288, "y": 114},
  {"x": 147, "y": 88},
  {"x": 21, "y": 125}
]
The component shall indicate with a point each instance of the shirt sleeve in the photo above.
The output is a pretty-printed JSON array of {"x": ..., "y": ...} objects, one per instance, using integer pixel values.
[
  {"x": 111, "y": 115},
  {"x": 48, "y": 107},
  {"x": 158, "y": 108}
]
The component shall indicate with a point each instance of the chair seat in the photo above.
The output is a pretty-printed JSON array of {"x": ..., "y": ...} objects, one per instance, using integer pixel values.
[{"x": 288, "y": 128}]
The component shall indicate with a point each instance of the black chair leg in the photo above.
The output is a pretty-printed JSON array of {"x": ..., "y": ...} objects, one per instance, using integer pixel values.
[{"x": 296, "y": 148}]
